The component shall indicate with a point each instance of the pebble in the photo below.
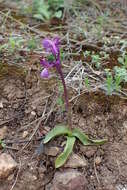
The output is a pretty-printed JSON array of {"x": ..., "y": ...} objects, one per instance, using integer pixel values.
[
  {"x": 1, "y": 105},
  {"x": 33, "y": 113},
  {"x": 70, "y": 179},
  {"x": 75, "y": 161},
  {"x": 98, "y": 160},
  {"x": 3, "y": 132},
  {"x": 7, "y": 165},
  {"x": 10, "y": 177},
  {"x": 25, "y": 134}
]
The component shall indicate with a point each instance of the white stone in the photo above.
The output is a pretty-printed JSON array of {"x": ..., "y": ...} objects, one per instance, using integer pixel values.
[
  {"x": 33, "y": 113},
  {"x": 97, "y": 160},
  {"x": 1, "y": 105},
  {"x": 25, "y": 134},
  {"x": 3, "y": 132},
  {"x": 75, "y": 161},
  {"x": 7, "y": 165}
]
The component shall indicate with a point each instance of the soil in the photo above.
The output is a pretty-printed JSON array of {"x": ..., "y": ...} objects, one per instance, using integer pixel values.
[
  {"x": 29, "y": 111},
  {"x": 97, "y": 115}
]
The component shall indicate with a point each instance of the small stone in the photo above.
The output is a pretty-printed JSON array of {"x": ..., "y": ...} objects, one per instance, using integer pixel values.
[
  {"x": 7, "y": 165},
  {"x": 13, "y": 133},
  {"x": 69, "y": 180},
  {"x": 63, "y": 143},
  {"x": 3, "y": 132},
  {"x": 97, "y": 160},
  {"x": 10, "y": 177},
  {"x": 33, "y": 113},
  {"x": 51, "y": 151},
  {"x": 75, "y": 161},
  {"x": 34, "y": 178},
  {"x": 25, "y": 134},
  {"x": 1, "y": 105}
]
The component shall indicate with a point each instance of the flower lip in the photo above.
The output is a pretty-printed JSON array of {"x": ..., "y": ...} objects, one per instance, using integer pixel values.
[{"x": 45, "y": 73}]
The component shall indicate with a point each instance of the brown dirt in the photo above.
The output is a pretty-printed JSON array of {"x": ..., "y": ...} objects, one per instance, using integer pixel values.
[
  {"x": 25, "y": 97},
  {"x": 96, "y": 114}
]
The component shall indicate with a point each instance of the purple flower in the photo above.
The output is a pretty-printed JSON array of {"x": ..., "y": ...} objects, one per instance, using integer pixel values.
[
  {"x": 45, "y": 73},
  {"x": 52, "y": 46},
  {"x": 47, "y": 65}
]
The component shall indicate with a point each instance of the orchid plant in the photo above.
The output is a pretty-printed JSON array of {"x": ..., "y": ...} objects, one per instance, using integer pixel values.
[{"x": 52, "y": 47}]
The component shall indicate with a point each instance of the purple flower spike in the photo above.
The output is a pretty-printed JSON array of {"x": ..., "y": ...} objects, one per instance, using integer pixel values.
[
  {"x": 45, "y": 73},
  {"x": 52, "y": 46}
]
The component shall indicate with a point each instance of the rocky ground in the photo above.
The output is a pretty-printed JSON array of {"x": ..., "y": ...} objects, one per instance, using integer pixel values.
[{"x": 29, "y": 110}]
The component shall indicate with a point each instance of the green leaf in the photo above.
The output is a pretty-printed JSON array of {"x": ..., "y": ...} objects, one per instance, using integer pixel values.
[
  {"x": 125, "y": 61},
  {"x": 122, "y": 72},
  {"x": 51, "y": 58},
  {"x": 58, "y": 130},
  {"x": 32, "y": 44},
  {"x": 81, "y": 136},
  {"x": 62, "y": 158},
  {"x": 98, "y": 142},
  {"x": 87, "y": 83},
  {"x": 3, "y": 145},
  {"x": 44, "y": 11},
  {"x": 4, "y": 46},
  {"x": 109, "y": 84},
  {"x": 85, "y": 139},
  {"x": 38, "y": 16},
  {"x": 12, "y": 43},
  {"x": 58, "y": 14}
]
